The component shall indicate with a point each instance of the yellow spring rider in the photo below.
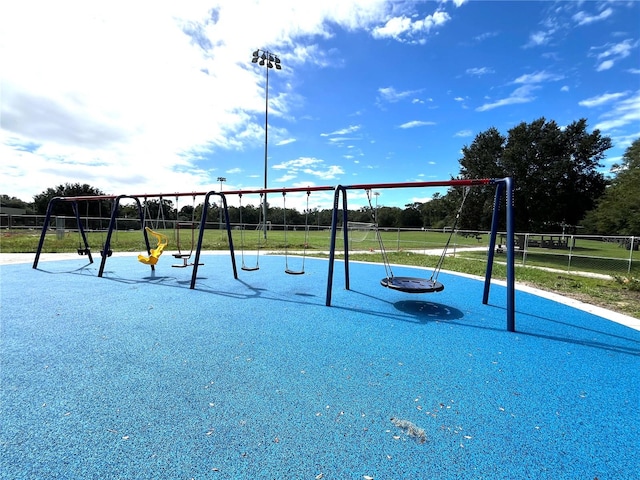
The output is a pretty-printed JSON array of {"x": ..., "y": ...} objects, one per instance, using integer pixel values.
[{"x": 155, "y": 253}]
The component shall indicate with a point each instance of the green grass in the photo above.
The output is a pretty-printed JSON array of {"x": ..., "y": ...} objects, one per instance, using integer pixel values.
[
  {"x": 132, "y": 241},
  {"x": 616, "y": 295}
]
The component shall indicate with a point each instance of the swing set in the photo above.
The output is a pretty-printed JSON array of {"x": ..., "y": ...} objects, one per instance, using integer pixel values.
[{"x": 503, "y": 186}]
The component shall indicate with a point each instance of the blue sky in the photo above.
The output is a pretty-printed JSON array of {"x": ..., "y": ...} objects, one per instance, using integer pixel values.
[{"x": 142, "y": 97}]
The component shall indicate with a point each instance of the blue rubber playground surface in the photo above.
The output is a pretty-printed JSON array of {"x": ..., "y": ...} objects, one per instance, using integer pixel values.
[{"x": 134, "y": 375}]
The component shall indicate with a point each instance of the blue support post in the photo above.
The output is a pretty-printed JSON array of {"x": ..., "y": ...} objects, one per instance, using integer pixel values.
[
  {"x": 511, "y": 270},
  {"x": 492, "y": 240},
  {"x": 203, "y": 223},
  {"x": 43, "y": 233},
  {"x": 332, "y": 246}
]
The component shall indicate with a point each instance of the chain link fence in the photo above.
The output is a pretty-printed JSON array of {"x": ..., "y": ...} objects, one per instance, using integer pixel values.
[{"x": 593, "y": 254}]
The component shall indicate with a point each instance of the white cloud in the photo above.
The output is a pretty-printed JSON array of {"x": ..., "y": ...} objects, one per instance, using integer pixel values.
[
  {"x": 307, "y": 165},
  {"x": 606, "y": 65},
  {"x": 342, "y": 131},
  {"x": 285, "y": 178},
  {"x": 523, "y": 94},
  {"x": 601, "y": 99},
  {"x": 539, "y": 38},
  {"x": 329, "y": 173},
  {"x": 583, "y": 18},
  {"x": 391, "y": 95},
  {"x": 613, "y": 53},
  {"x": 538, "y": 77},
  {"x": 625, "y": 112},
  {"x": 406, "y": 29},
  {"x": 484, "y": 36},
  {"x": 479, "y": 71},
  {"x": 231, "y": 171},
  {"x": 285, "y": 141},
  {"x": 463, "y": 133},
  {"x": 415, "y": 123},
  {"x": 297, "y": 163},
  {"x": 148, "y": 88}
]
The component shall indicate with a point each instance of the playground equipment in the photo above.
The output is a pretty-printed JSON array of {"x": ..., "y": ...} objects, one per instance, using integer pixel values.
[
  {"x": 83, "y": 247},
  {"x": 306, "y": 236},
  {"x": 154, "y": 254},
  {"x": 415, "y": 285},
  {"x": 245, "y": 267},
  {"x": 503, "y": 186},
  {"x": 182, "y": 252},
  {"x": 115, "y": 205}
]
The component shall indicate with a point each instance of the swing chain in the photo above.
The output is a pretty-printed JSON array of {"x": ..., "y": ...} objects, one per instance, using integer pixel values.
[{"x": 438, "y": 267}]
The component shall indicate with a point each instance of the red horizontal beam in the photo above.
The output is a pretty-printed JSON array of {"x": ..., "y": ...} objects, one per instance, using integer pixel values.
[
  {"x": 362, "y": 186},
  {"x": 438, "y": 183}
]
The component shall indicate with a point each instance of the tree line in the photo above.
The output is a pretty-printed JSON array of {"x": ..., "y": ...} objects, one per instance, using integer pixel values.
[{"x": 556, "y": 171}]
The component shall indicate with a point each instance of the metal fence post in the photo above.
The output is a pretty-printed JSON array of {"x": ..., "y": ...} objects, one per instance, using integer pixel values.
[
  {"x": 570, "y": 252},
  {"x": 631, "y": 247}
]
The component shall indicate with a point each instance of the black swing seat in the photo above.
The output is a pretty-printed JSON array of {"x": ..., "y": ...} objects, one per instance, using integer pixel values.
[
  {"x": 249, "y": 269},
  {"x": 412, "y": 284},
  {"x": 185, "y": 260},
  {"x": 294, "y": 272}
]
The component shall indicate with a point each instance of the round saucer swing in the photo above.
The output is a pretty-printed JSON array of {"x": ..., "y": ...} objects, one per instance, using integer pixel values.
[{"x": 414, "y": 284}]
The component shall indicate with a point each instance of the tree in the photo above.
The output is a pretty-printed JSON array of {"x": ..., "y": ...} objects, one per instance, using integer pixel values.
[
  {"x": 618, "y": 210},
  {"x": 41, "y": 200},
  {"x": 411, "y": 216},
  {"x": 434, "y": 212},
  {"x": 555, "y": 171},
  {"x": 388, "y": 216},
  {"x": 14, "y": 202}
]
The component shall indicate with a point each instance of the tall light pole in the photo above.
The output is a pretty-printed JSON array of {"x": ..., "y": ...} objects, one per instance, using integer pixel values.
[
  {"x": 268, "y": 60},
  {"x": 221, "y": 179}
]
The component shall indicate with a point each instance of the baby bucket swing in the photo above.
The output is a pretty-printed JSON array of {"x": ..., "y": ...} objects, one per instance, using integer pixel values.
[{"x": 415, "y": 284}]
